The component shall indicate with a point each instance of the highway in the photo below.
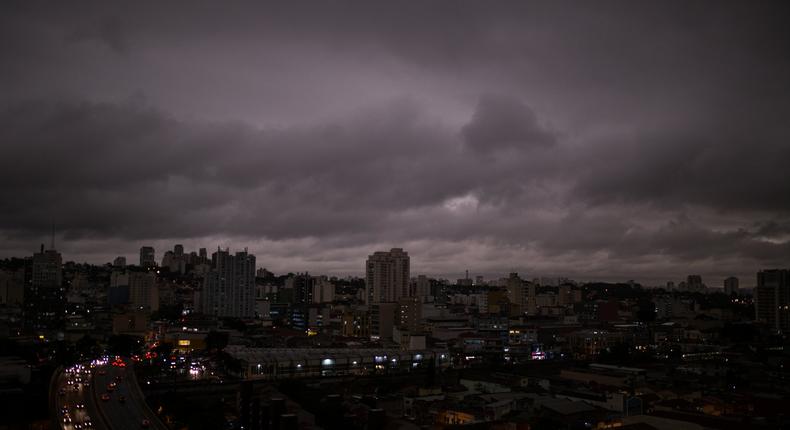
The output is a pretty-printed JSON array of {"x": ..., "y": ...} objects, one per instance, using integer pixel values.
[
  {"x": 122, "y": 415},
  {"x": 74, "y": 405},
  {"x": 79, "y": 405}
]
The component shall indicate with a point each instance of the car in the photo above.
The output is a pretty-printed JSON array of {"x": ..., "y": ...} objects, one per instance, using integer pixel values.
[
  {"x": 102, "y": 372},
  {"x": 67, "y": 419},
  {"x": 64, "y": 410},
  {"x": 80, "y": 406},
  {"x": 105, "y": 396},
  {"x": 145, "y": 424},
  {"x": 78, "y": 426},
  {"x": 62, "y": 392},
  {"x": 122, "y": 399},
  {"x": 111, "y": 387}
]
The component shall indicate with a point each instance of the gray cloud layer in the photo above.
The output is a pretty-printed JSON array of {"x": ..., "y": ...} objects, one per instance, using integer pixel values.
[{"x": 628, "y": 140}]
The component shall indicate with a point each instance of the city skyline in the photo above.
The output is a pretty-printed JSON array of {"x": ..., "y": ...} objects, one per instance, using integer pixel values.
[
  {"x": 369, "y": 215},
  {"x": 607, "y": 141},
  {"x": 715, "y": 281}
]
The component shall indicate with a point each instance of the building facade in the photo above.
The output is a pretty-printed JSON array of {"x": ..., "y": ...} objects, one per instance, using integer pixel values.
[
  {"x": 772, "y": 298},
  {"x": 731, "y": 285},
  {"x": 45, "y": 299},
  {"x": 147, "y": 256},
  {"x": 229, "y": 289},
  {"x": 143, "y": 291},
  {"x": 387, "y": 276}
]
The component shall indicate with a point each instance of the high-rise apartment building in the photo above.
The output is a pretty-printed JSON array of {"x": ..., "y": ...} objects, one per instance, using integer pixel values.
[
  {"x": 409, "y": 313},
  {"x": 694, "y": 283},
  {"x": 12, "y": 287},
  {"x": 382, "y": 320},
  {"x": 147, "y": 257},
  {"x": 516, "y": 292},
  {"x": 772, "y": 298},
  {"x": 302, "y": 285},
  {"x": 422, "y": 287},
  {"x": 118, "y": 293},
  {"x": 45, "y": 300},
  {"x": 731, "y": 285},
  {"x": 323, "y": 290},
  {"x": 387, "y": 276},
  {"x": 229, "y": 288},
  {"x": 565, "y": 295},
  {"x": 143, "y": 291},
  {"x": 521, "y": 294}
]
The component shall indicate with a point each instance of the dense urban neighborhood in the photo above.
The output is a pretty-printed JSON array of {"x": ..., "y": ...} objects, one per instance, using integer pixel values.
[
  {"x": 385, "y": 215},
  {"x": 199, "y": 341}
]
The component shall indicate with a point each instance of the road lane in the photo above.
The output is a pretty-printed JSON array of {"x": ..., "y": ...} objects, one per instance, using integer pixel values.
[
  {"x": 71, "y": 391},
  {"x": 119, "y": 415}
]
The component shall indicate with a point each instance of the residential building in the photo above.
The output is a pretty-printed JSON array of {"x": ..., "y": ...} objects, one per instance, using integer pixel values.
[
  {"x": 45, "y": 300},
  {"x": 387, "y": 276},
  {"x": 147, "y": 256},
  {"x": 323, "y": 290},
  {"x": 731, "y": 285},
  {"x": 143, "y": 291},
  {"x": 229, "y": 289},
  {"x": 772, "y": 298}
]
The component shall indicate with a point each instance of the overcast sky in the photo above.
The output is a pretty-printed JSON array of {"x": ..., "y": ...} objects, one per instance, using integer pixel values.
[{"x": 595, "y": 140}]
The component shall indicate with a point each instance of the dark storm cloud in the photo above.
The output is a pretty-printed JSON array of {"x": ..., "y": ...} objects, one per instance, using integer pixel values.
[
  {"x": 723, "y": 171},
  {"x": 109, "y": 31},
  {"x": 773, "y": 228},
  {"x": 615, "y": 139},
  {"x": 501, "y": 123},
  {"x": 128, "y": 170}
]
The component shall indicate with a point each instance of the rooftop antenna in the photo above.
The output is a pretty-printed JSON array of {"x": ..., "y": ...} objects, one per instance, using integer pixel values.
[{"x": 52, "y": 240}]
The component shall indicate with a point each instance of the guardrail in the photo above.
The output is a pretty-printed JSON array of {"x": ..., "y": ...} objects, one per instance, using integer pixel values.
[{"x": 134, "y": 385}]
